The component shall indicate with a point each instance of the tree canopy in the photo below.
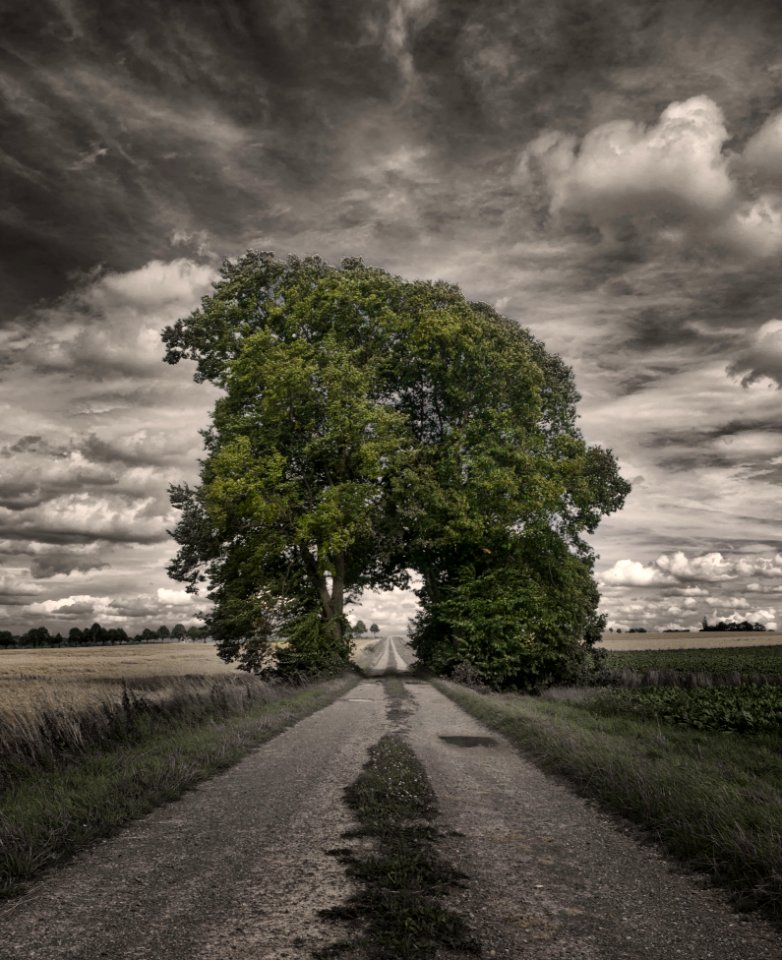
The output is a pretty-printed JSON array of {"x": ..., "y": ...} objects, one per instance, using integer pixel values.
[{"x": 371, "y": 426}]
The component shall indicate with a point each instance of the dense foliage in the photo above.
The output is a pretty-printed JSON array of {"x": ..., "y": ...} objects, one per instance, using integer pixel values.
[
  {"x": 732, "y": 626},
  {"x": 751, "y": 709},
  {"x": 370, "y": 426}
]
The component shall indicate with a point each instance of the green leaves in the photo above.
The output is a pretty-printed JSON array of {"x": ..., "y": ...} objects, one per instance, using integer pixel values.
[
  {"x": 750, "y": 709},
  {"x": 370, "y": 425}
]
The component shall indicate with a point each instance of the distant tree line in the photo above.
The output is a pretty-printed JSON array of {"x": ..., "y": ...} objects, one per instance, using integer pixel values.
[
  {"x": 97, "y": 636},
  {"x": 744, "y": 626}
]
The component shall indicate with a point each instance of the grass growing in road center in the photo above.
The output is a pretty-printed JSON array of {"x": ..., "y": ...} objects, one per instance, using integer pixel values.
[{"x": 400, "y": 878}]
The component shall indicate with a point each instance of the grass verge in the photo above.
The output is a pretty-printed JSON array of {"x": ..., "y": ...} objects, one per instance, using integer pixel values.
[
  {"x": 400, "y": 878},
  {"x": 51, "y": 813},
  {"x": 713, "y": 799},
  {"x": 55, "y": 732}
]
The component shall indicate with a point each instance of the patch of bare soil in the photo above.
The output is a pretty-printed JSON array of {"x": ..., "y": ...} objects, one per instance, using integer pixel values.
[{"x": 688, "y": 641}]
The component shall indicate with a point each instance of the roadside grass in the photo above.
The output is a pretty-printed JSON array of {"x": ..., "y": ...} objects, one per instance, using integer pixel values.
[
  {"x": 713, "y": 799},
  {"x": 56, "y": 731},
  {"x": 62, "y": 803},
  {"x": 400, "y": 878}
]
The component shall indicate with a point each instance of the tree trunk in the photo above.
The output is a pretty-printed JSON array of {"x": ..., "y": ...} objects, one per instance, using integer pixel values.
[
  {"x": 337, "y": 605},
  {"x": 332, "y": 603}
]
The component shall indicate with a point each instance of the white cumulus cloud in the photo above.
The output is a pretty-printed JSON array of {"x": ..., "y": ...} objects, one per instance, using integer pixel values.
[
  {"x": 674, "y": 176},
  {"x": 623, "y": 167},
  {"x": 175, "y": 598},
  {"x": 630, "y": 573}
]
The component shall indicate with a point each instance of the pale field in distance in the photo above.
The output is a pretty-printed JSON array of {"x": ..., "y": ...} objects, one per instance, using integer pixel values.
[
  {"x": 688, "y": 641},
  {"x": 80, "y": 677}
]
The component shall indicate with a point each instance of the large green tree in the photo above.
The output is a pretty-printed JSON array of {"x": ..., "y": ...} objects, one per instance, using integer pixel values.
[
  {"x": 369, "y": 426},
  {"x": 293, "y": 517}
]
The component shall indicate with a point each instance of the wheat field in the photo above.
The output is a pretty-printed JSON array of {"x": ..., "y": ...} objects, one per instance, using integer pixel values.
[
  {"x": 688, "y": 641},
  {"x": 73, "y": 680}
]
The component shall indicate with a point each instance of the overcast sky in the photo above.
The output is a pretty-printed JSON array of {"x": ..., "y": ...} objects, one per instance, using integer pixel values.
[{"x": 608, "y": 173}]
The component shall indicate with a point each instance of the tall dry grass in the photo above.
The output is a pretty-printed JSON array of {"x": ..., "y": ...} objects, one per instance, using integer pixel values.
[
  {"x": 52, "y": 725},
  {"x": 57, "y": 705},
  {"x": 74, "y": 774}
]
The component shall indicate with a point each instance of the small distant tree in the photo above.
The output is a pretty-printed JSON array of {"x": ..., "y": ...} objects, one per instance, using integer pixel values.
[
  {"x": 179, "y": 632},
  {"x": 163, "y": 632},
  {"x": 375, "y": 628},
  {"x": 360, "y": 628},
  {"x": 7, "y": 639},
  {"x": 147, "y": 635}
]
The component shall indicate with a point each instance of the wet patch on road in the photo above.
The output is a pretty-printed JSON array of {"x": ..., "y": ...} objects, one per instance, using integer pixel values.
[{"x": 457, "y": 741}]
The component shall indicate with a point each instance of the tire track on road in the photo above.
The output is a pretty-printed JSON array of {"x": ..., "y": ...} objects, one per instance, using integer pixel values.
[
  {"x": 552, "y": 877},
  {"x": 237, "y": 867}
]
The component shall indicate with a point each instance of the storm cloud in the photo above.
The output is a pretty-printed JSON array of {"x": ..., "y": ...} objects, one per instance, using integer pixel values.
[{"x": 606, "y": 173}]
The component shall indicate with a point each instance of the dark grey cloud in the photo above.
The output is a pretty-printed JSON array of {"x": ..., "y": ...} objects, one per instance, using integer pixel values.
[
  {"x": 45, "y": 560},
  {"x": 33, "y": 444},
  {"x": 420, "y": 135},
  {"x": 84, "y": 517},
  {"x": 695, "y": 437},
  {"x": 241, "y": 118}
]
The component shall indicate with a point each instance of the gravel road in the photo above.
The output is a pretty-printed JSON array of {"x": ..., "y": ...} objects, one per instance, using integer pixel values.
[
  {"x": 238, "y": 867},
  {"x": 392, "y": 655},
  {"x": 552, "y": 878}
]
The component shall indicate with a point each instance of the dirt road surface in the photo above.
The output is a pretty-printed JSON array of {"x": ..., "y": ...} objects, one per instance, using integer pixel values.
[
  {"x": 391, "y": 655},
  {"x": 238, "y": 868}
]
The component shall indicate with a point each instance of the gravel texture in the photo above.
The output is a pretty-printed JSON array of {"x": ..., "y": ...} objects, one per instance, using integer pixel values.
[
  {"x": 553, "y": 877},
  {"x": 238, "y": 868},
  {"x": 390, "y": 655}
]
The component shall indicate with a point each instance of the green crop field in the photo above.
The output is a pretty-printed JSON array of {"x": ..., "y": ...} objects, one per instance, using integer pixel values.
[
  {"x": 743, "y": 709},
  {"x": 719, "y": 662}
]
